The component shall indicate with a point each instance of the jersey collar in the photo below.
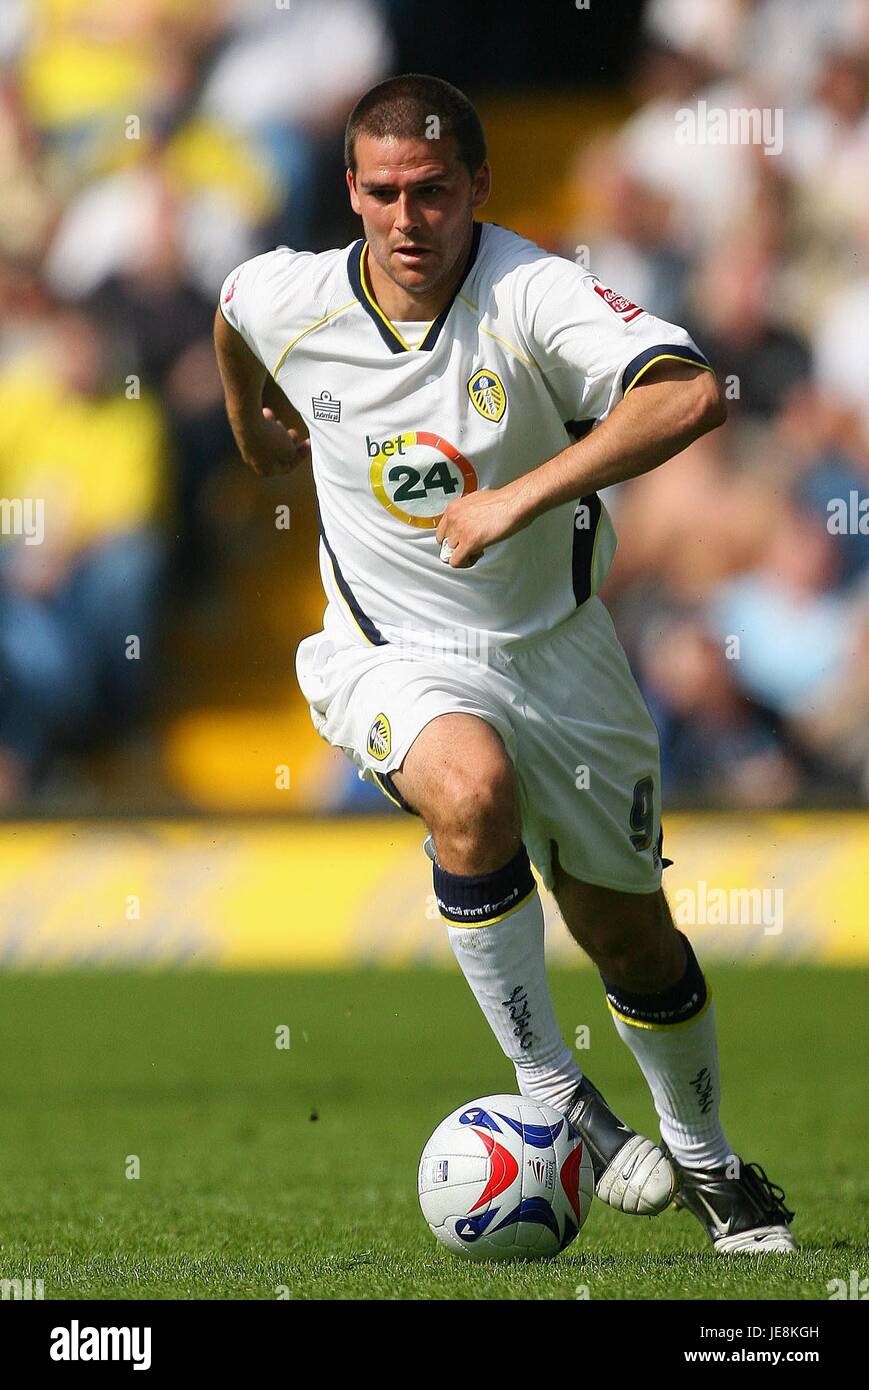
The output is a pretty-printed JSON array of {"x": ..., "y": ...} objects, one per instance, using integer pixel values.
[{"x": 357, "y": 271}]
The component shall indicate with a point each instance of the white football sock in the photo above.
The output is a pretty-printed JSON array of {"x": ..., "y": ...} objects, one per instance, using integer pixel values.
[
  {"x": 503, "y": 962},
  {"x": 672, "y": 1037}
]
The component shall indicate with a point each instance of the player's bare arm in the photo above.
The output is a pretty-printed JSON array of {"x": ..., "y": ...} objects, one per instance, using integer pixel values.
[
  {"x": 267, "y": 443},
  {"x": 674, "y": 404}
]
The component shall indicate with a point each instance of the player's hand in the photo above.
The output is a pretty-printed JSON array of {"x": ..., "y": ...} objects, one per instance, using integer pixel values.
[
  {"x": 272, "y": 448},
  {"x": 472, "y": 523}
]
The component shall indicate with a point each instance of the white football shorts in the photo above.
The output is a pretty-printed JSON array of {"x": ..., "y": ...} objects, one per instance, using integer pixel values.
[{"x": 567, "y": 708}]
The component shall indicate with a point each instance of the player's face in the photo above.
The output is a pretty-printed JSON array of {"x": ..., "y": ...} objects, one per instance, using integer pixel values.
[{"x": 416, "y": 199}]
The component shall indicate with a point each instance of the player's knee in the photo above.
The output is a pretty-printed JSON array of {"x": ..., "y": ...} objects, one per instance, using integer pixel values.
[
  {"x": 477, "y": 797},
  {"x": 476, "y": 812}
]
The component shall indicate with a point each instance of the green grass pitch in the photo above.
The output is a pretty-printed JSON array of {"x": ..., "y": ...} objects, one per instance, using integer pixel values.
[{"x": 271, "y": 1173}]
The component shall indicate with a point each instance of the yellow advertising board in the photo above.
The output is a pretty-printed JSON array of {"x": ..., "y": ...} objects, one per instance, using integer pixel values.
[{"x": 341, "y": 892}]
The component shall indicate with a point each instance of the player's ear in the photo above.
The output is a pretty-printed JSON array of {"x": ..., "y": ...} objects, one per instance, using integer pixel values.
[
  {"x": 354, "y": 196},
  {"x": 482, "y": 184}
]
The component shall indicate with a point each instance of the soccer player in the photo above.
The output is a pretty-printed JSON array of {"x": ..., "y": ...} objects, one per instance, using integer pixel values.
[{"x": 466, "y": 396}]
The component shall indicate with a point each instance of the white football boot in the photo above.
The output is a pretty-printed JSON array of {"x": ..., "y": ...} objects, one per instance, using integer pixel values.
[{"x": 631, "y": 1173}]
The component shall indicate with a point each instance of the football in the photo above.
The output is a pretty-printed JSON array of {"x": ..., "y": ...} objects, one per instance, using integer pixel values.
[{"x": 505, "y": 1178}]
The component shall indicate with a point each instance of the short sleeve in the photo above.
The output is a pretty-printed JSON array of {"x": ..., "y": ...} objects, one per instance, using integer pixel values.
[
  {"x": 592, "y": 343},
  {"x": 257, "y": 300}
]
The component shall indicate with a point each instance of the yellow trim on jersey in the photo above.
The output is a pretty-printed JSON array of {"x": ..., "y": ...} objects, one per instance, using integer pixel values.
[
  {"x": 363, "y": 280},
  {"x": 597, "y": 533},
  {"x": 665, "y": 357},
  {"x": 490, "y": 920},
  {"x": 305, "y": 331},
  {"x": 661, "y": 1027},
  {"x": 529, "y": 361}
]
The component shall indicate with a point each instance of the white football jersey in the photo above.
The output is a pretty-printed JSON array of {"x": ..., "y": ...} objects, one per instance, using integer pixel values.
[{"x": 531, "y": 352}]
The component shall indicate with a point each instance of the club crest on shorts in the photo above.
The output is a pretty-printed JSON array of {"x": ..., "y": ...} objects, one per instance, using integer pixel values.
[
  {"x": 487, "y": 394},
  {"x": 379, "y": 738}
]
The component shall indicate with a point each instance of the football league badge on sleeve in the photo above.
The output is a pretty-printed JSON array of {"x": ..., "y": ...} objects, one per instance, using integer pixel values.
[
  {"x": 380, "y": 738},
  {"x": 487, "y": 394}
]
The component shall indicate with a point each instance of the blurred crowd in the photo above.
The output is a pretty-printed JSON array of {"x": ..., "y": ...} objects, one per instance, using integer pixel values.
[
  {"x": 148, "y": 147},
  {"x": 145, "y": 149},
  {"x": 741, "y": 585}
]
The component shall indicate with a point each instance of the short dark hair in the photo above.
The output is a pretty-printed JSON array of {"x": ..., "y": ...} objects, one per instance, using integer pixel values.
[{"x": 401, "y": 107}]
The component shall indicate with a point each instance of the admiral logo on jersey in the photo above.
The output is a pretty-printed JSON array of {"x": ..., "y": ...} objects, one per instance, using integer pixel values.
[{"x": 325, "y": 408}]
